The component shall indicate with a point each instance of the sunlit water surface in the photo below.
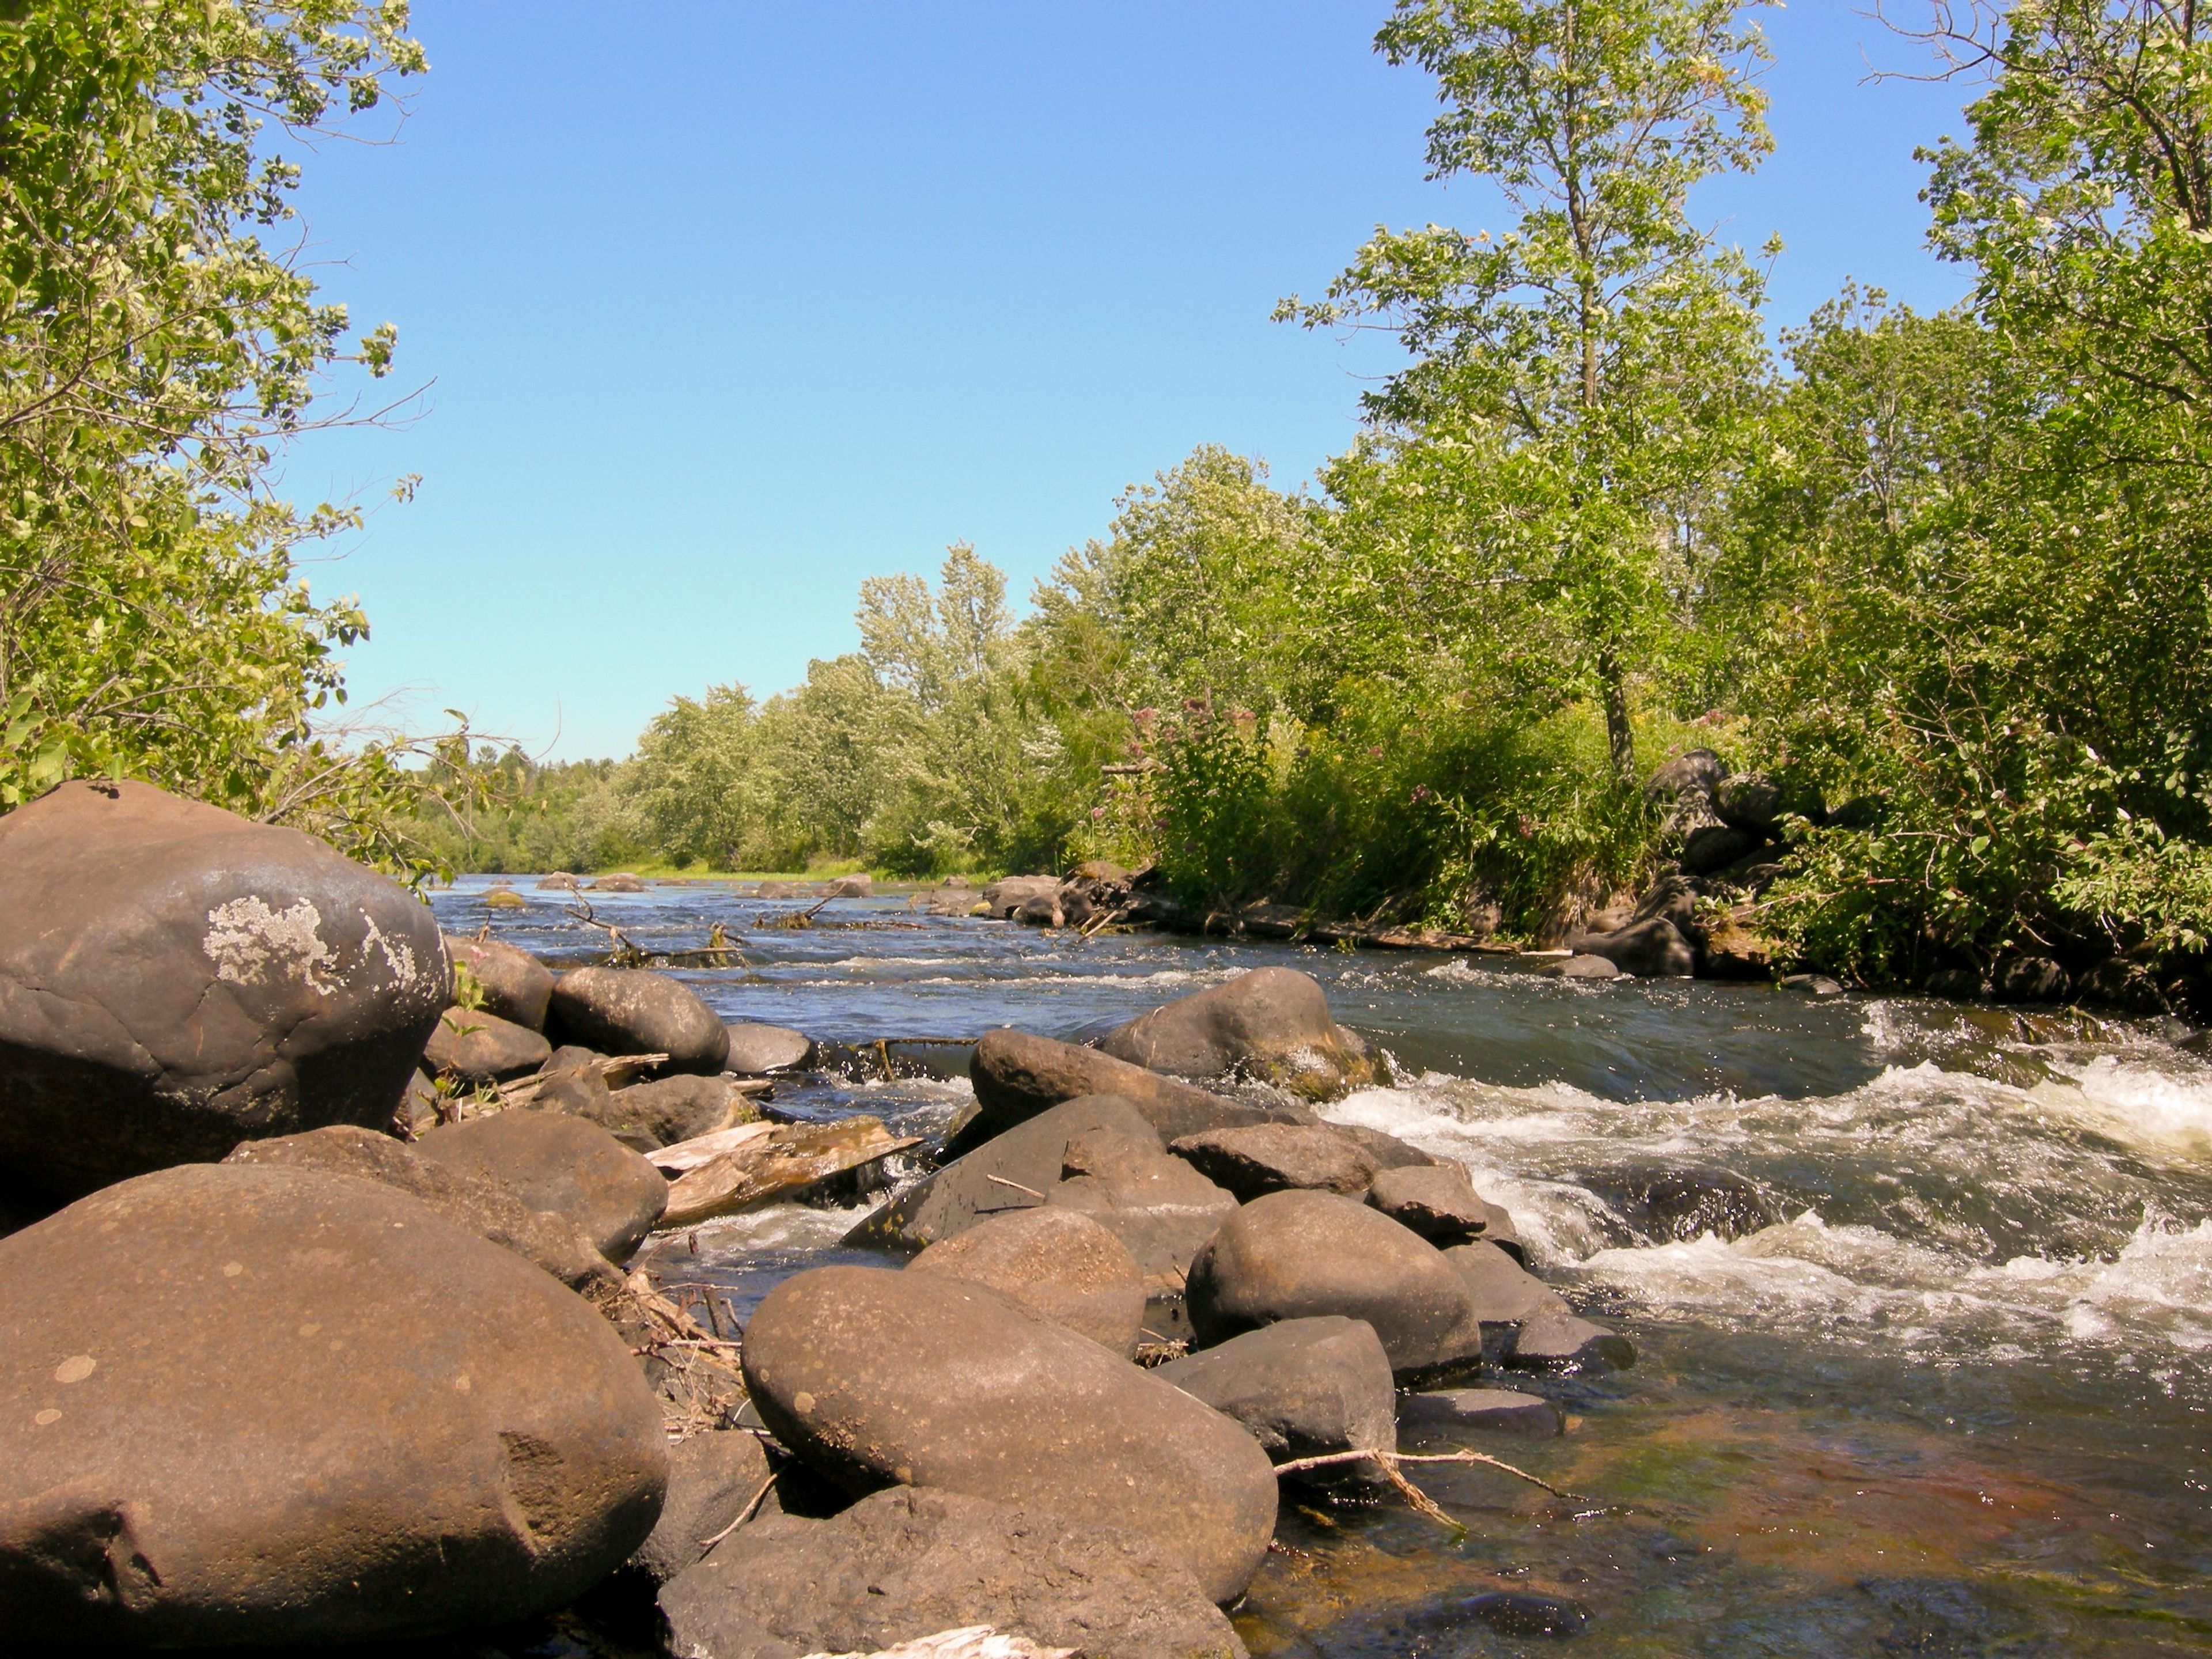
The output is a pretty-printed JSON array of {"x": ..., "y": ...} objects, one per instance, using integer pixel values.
[{"x": 1951, "y": 1402}]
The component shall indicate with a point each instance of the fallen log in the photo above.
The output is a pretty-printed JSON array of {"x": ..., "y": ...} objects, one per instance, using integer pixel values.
[{"x": 775, "y": 1167}]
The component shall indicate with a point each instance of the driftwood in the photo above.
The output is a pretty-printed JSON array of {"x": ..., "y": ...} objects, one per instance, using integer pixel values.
[
  {"x": 779, "y": 1165},
  {"x": 696, "y": 1374},
  {"x": 971, "y": 1642},
  {"x": 686, "y": 1156}
]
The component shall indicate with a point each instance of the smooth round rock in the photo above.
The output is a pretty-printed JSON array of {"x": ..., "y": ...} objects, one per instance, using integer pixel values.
[
  {"x": 274, "y": 1405},
  {"x": 1057, "y": 1262},
  {"x": 756, "y": 1050},
  {"x": 516, "y": 985},
  {"x": 634, "y": 1011},
  {"x": 174, "y": 980},
  {"x": 669, "y": 1108},
  {"x": 480, "y": 1048},
  {"x": 553, "y": 1162},
  {"x": 1298, "y": 1256},
  {"x": 1271, "y": 1025},
  {"x": 875, "y": 1377}
]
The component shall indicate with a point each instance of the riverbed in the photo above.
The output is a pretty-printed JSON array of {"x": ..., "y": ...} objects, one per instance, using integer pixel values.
[{"x": 1951, "y": 1398}]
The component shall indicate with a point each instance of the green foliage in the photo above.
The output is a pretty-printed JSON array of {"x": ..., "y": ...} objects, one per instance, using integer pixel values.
[{"x": 156, "y": 352}]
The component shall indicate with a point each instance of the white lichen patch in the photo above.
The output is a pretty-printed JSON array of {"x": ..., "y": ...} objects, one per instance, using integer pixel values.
[
  {"x": 250, "y": 944},
  {"x": 407, "y": 974}
]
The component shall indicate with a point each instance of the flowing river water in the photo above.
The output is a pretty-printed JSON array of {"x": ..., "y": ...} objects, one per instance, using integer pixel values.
[{"x": 1949, "y": 1397}]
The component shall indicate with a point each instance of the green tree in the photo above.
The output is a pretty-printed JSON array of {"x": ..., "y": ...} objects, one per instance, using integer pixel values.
[
  {"x": 1579, "y": 379},
  {"x": 160, "y": 342}
]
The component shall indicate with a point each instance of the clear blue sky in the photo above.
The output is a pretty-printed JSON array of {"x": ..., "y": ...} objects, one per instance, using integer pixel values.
[{"x": 728, "y": 306}]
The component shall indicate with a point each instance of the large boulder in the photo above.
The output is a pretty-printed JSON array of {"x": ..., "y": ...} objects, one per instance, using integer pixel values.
[
  {"x": 1273, "y": 1157},
  {"x": 1304, "y": 1387},
  {"x": 757, "y": 1050},
  {"x": 906, "y": 1563},
  {"x": 1696, "y": 773},
  {"x": 1058, "y": 1262},
  {"x": 175, "y": 979},
  {"x": 1017, "y": 1076},
  {"x": 875, "y": 1377},
  {"x": 713, "y": 1479},
  {"x": 272, "y": 1405},
  {"x": 1158, "y": 1206},
  {"x": 1298, "y": 1256},
  {"x": 1271, "y": 1025},
  {"x": 1652, "y": 950},
  {"x": 479, "y": 1047},
  {"x": 516, "y": 985},
  {"x": 564, "y": 1165},
  {"x": 469, "y": 1200},
  {"x": 634, "y": 1011}
]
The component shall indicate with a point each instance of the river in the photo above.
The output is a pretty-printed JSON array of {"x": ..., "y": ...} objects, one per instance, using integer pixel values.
[{"x": 1952, "y": 1400}]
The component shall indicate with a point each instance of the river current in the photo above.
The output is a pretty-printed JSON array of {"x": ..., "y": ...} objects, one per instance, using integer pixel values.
[{"x": 1951, "y": 1398}]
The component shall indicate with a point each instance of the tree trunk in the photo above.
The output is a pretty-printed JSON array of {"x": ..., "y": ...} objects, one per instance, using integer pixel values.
[{"x": 1620, "y": 741}]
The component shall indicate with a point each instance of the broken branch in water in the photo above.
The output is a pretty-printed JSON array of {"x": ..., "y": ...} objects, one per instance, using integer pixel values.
[
  {"x": 625, "y": 954},
  {"x": 1389, "y": 1463}
]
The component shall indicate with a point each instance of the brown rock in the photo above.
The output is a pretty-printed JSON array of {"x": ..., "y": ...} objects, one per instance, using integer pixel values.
[
  {"x": 175, "y": 979},
  {"x": 874, "y": 1377},
  {"x": 1017, "y": 1076},
  {"x": 1271, "y": 1025},
  {"x": 1273, "y": 1157},
  {"x": 713, "y": 1477},
  {"x": 671, "y": 1109},
  {"x": 552, "y": 1162},
  {"x": 516, "y": 985},
  {"x": 272, "y": 1405},
  {"x": 479, "y": 1047},
  {"x": 634, "y": 1011},
  {"x": 1438, "y": 1202},
  {"x": 1304, "y": 1387},
  {"x": 1058, "y": 1262},
  {"x": 1157, "y": 1206}
]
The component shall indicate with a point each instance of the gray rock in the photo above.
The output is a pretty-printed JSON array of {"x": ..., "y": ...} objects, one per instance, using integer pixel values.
[
  {"x": 1697, "y": 772},
  {"x": 1812, "y": 985},
  {"x": 1502, "y": 1291},
  {"x": 1158, "y": 1206},
  {"x": 712, "y": 1477},
  {"x": 1652, "y": 950},
  {"x": 1556, "y": 1340},
  {"x": 756, "y": 1050},
  {"x": 1492, "y": 1411},
  {"x": 175, "y": 979},
  {"x": 1438, "y": 1202},
  {"x": 1586, "y": 967},
  {"x": 922, "y": 1379},
  {"x": 670, "y": 1109},
  {"x": 1749, "y": 801},
  {"x": 1305, "y": 1388},
  {"x": 1273, "y": 1157},
  {"x": 1007, "y": 895},
  {"x": 633, "y": 1011},
  {"x": 553, "y": 1162},
  {"x": 849, "y": 887},
  {"x": 776, "y": 890},
  {"x": 1058, "y": 1262},
  {"x": 558, "y": 881},
  {"x": 1017, "y": 1076},
  {"x": 621, "y": 881},
  {"x": 479, "y": 1047},
  {"x": 906, "y": 1563},
  {"x": 471, "y": 1201},
  {"x": 573, "y": 1084},
  {"x": 268, "y": 1407},
  {"x": 1271, "y": 1025},
  {"x": 516, "y": 985},
  {"x": 1298, "y": 1256}
]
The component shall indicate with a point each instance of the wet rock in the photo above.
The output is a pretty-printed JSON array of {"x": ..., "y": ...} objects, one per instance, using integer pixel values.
[
  {"x": 1489, "y": 1411},
  {"x": 757, "y": 1050},
  {"x": 1553, "y": 1339},
  {"x": 272, "y": 1406},
  {"x": 1305, "y": 1388},
  {"x": 1651, "y": 950},
  {"x": 1818, "y": 987},
  {"x": 1515, "y": 1613},
  {"x": 1013, "y": 1172},
  {"x": 1158, "y": 1206},
  {"x": 1683, "y": 1201},
  {"x": 633, "y": 1011},
  {"x": 471, "y": 1201},
  {"x": 792, "y": 1161},
  {"x": 906, "y": 1563},
  {"x": 672, "y": 1109},
  {"x": 477, "y": 1048},
  {"x": 1017, "y": 1076},
  {"x": 1273, "y": 1157},
  {"x": 1438, "y": 1202},
  {"x": 874, "y": 1377},
  {"x": 1594, "y": 968},
  {"x": 516, "y": 985},
  {"x": 175, "y": 979},
  {"x": 1299, "y": 1256},
  {"x": 1502, "y": 1291},
  {"x": 1271, "y": 1025},
  {"x": 1058, "y": 1262},
  {"x": 712, "y": 1477},
  {"x": 551, "y": 1162},
  {"x": 621, "y": 881},
  {"x": 2029, "y": 979}
]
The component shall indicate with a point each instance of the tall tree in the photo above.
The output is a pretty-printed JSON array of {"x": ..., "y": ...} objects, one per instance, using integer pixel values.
[{"x": 1577, "y": 379}]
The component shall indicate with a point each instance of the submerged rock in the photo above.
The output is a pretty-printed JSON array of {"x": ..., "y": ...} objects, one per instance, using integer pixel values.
[
  {"x": 875, "y": 1377},
  {"x": 906, "y": 1563},
  {"x": 1270, "y": 1025},
  {"x": 1305, "y": 1388},
  {"x": 1055, "y": 1261},
  {"x": 1666, "y": 1202},
  {"x": 272, "y": 1405},
  {"x": 1489, "y": 1411},
  {"x": 551, "y": 1162},
  {"x": 516, "y": 985},
  {"x": 1298, "y": 1256},
  {"x": 175, "y": 979},
  {"x": 634, "y": 1011}
]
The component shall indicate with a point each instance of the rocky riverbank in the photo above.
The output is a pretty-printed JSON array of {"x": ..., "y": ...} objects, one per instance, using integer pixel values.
[{"x": 316, "y": 1324}]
